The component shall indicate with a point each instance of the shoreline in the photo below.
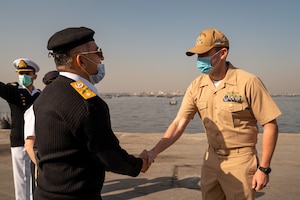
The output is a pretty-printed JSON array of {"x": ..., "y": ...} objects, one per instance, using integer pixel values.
[
  {"x": 175, "y": 174},
  {"x": 4, "y": 135}
]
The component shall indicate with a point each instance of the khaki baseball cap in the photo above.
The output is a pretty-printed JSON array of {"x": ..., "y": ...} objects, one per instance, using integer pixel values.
[{"x": 208, "y": 39}]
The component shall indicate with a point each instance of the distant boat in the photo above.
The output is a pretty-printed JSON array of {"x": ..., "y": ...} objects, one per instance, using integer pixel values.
[
  {"x": 106, "y": 96},
  {"x": 173, "y": 101}
]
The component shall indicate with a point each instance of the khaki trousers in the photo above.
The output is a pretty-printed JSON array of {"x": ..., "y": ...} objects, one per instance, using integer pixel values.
[{"x": 228, "y": 177}]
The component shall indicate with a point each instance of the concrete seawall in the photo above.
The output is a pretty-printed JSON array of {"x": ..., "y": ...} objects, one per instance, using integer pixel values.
[{"x": 176, "y": 172}]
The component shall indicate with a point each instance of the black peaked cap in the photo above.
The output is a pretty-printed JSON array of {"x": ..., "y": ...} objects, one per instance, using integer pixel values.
[
  {"x": 69, "y": 38},
  {"x": 50, "y": 76}
]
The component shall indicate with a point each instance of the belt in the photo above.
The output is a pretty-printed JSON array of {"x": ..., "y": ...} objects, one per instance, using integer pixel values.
[{"x": 227, "y": 152}]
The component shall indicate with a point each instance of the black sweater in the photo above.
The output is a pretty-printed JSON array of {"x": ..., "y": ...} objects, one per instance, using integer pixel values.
[
  {"x": 76, "y": 144},
  {"x": 19, "y": 99}
]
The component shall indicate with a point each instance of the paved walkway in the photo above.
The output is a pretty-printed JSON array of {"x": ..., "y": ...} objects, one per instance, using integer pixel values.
[{"x": 176, "y": 172}]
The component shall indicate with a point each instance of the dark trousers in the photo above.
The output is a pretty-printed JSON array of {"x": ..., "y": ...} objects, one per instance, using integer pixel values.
[{"x": 32, "y": 167}]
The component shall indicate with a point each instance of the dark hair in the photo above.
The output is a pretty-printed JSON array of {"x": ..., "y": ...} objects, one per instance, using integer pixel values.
[{"x": 219, "y": 48}]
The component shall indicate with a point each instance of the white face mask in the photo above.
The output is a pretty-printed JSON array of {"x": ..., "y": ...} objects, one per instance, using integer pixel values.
[{"x": 96, "y": 78}]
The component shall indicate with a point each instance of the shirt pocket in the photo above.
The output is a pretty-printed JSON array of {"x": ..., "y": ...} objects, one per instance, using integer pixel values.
[
  {"x": 202, "y": 108},
  {"x": 230, "y": 113}
]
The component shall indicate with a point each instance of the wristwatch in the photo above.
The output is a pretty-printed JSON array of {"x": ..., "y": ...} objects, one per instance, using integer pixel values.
[{"x": 265, "y": 170}]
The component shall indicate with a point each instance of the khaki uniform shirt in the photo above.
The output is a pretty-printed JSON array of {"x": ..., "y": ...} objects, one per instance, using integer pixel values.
[{"x": 230, "y": 112}]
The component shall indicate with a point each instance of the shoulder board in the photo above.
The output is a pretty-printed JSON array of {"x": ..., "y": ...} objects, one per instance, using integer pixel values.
[
  {"x": 83, "y": 89},
  {"x": 16, "y": 84}
]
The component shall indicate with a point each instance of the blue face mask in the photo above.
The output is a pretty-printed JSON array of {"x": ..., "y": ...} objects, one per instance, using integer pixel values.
[
  {"x": 25, "y": 80},
  {"x": 203, "y": 64},
  {"x": 96, "y": 78}
]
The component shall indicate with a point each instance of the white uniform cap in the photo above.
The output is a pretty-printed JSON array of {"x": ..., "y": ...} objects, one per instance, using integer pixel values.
[{"x": 24, "y": 64}]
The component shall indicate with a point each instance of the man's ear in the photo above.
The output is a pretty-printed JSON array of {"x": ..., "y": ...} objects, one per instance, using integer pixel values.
[
  {"x": 34, "y": 76},
  {"x": 79, "y": 61},
  {"x": 224, "y": 53}
]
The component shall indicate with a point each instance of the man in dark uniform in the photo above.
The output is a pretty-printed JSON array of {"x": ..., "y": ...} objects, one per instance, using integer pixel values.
[
  {"x": 29, "y": 133},
  {"x": 74, "y": 139},
  {"x": 29, "y": 124},
  {"x": 20, "y": 97}
]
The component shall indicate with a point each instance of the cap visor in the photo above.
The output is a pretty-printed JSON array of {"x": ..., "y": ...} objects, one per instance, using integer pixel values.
[
  {"x": 24, "y": 70},
  {"x": 189, "y": 53},
  {"x": 197, "y": 50}
]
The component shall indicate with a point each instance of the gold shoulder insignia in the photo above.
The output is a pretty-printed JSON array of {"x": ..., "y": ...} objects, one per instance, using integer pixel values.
[
  {"x": 83, "y": 89},
  {"x": 16, "y": 84}
]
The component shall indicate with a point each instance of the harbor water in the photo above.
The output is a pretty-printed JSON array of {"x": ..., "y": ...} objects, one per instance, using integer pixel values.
[{"x": 154, "y": 114}]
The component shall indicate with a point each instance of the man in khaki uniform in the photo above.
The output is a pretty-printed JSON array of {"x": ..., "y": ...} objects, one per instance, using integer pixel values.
[{"x": 230, "y": 103}]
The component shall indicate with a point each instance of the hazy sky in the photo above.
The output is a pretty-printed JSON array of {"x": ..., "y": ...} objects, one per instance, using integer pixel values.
[{"x": 144, "y": 42}]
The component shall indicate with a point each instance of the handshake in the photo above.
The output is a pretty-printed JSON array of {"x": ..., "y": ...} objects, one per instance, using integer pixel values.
[{"x": 148, "y": 158}]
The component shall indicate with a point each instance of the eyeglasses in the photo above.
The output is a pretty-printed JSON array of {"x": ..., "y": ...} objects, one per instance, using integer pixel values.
[{"x": 98, "y": 52}]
